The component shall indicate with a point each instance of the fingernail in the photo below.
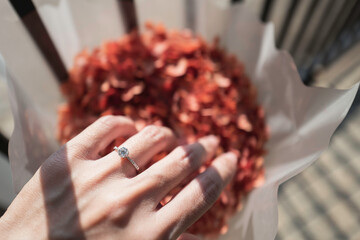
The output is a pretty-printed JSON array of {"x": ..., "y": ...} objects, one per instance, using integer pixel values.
[
  {"x": 231, "y": 156},
  {"x": 212, "y": 139}
]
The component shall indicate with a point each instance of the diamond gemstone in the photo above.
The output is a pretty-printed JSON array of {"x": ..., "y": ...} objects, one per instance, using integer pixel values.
[{"x": 123, "y": 152}]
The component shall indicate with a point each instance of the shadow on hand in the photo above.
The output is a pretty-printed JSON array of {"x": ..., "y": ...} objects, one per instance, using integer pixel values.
[{"x": 63, "y": 216}]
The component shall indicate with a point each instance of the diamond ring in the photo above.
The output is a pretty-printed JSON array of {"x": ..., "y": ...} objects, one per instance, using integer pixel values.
[{"x": 124, "y": 153}]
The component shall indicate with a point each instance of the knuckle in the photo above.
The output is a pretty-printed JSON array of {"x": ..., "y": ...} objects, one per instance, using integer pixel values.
[
  {"x": 181, "y": 152},
  {"x": 213, "y": 189},
  {"x": 110, "y": 122},
  {"x": 110, "y": 201},
  {"x": 101, "y": 172},
  {"x": 154, "y": 178},
  {"x": 126, "y": 120},
  {"x": 82, "y": 180},
  {"x": 107, "y": 121},
  {"x": 157, "y": 178},
  {"x": 190, "y": 157},
  {"x": 115, "y": 206},
  {"x": 78, "y": 150},
  {"x": 154, "y": 133}
]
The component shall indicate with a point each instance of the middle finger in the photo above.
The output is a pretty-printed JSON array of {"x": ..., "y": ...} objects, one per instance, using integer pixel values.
[{"x": 169, "y": 172}]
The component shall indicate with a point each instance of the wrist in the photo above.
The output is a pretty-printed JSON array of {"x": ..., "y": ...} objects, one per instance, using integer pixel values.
[
  {"x": 10, "y": 229},
  {"x": 5, "y": 227}
]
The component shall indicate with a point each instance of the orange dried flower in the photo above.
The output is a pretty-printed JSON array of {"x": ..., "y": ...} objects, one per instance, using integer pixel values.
[{"x": 180, "y": 81}]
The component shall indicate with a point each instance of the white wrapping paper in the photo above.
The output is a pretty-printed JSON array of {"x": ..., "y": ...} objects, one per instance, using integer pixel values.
[{"x": 301, "y": 119}]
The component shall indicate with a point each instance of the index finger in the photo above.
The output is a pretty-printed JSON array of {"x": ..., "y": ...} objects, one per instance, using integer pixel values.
[
  {"x": 100, "y": 134},
  {"x": 198, "y": 196}
]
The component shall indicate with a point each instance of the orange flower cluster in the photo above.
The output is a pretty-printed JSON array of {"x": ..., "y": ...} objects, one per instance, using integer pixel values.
[{"x": 174, "y": 79}]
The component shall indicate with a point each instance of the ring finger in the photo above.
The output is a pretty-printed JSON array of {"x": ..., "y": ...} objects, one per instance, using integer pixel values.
[{"x": 142, "y": 147}]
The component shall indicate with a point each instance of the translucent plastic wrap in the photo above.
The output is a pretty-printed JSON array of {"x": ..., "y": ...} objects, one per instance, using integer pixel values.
[{"x": 301, "y": 119}]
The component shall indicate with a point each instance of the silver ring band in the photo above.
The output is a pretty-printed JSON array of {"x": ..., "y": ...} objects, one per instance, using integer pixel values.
[{"x": 124, "y": 153}]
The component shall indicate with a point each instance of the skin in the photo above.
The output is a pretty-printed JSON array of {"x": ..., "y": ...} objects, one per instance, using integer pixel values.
[{"x": 75, "y": 194}]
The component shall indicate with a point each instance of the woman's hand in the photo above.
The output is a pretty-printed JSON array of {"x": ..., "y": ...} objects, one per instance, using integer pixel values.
[{"x": 76, "y": 195}]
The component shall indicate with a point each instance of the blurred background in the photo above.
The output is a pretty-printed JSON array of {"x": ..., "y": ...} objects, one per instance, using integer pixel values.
[{"x": 323, "y": 36}]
